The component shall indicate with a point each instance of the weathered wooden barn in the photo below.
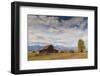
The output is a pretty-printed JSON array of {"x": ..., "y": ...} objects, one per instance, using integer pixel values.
[{"x": 48, "y": 50}]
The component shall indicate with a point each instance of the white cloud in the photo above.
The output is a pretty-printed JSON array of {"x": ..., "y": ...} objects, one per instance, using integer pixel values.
[{"x": 51, "y": 31}]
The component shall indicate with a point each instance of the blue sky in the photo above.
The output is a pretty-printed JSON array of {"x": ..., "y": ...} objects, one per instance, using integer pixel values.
[{"x": 57, "y": 30}]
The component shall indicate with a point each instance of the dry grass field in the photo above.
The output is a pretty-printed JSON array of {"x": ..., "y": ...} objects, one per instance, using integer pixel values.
[{"x": 55, "y": 56}]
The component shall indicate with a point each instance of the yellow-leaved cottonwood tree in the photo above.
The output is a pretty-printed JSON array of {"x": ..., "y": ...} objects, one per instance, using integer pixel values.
[{"x": 81, "y": 45}]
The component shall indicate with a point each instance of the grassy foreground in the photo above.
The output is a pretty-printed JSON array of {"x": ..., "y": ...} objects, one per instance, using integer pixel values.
[{"x": 54, "y": 56}]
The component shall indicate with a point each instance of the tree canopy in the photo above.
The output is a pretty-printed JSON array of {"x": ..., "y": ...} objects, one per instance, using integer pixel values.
[{"x": 81, "y": 45}]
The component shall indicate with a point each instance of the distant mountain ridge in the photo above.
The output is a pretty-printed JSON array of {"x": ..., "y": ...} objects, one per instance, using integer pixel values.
[
  {"x": 35, "y": 48},
  {"x": 57, "y": 47}
]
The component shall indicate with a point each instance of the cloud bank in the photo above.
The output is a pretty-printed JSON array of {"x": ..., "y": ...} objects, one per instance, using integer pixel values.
[{"x": 57, "y": 30}]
